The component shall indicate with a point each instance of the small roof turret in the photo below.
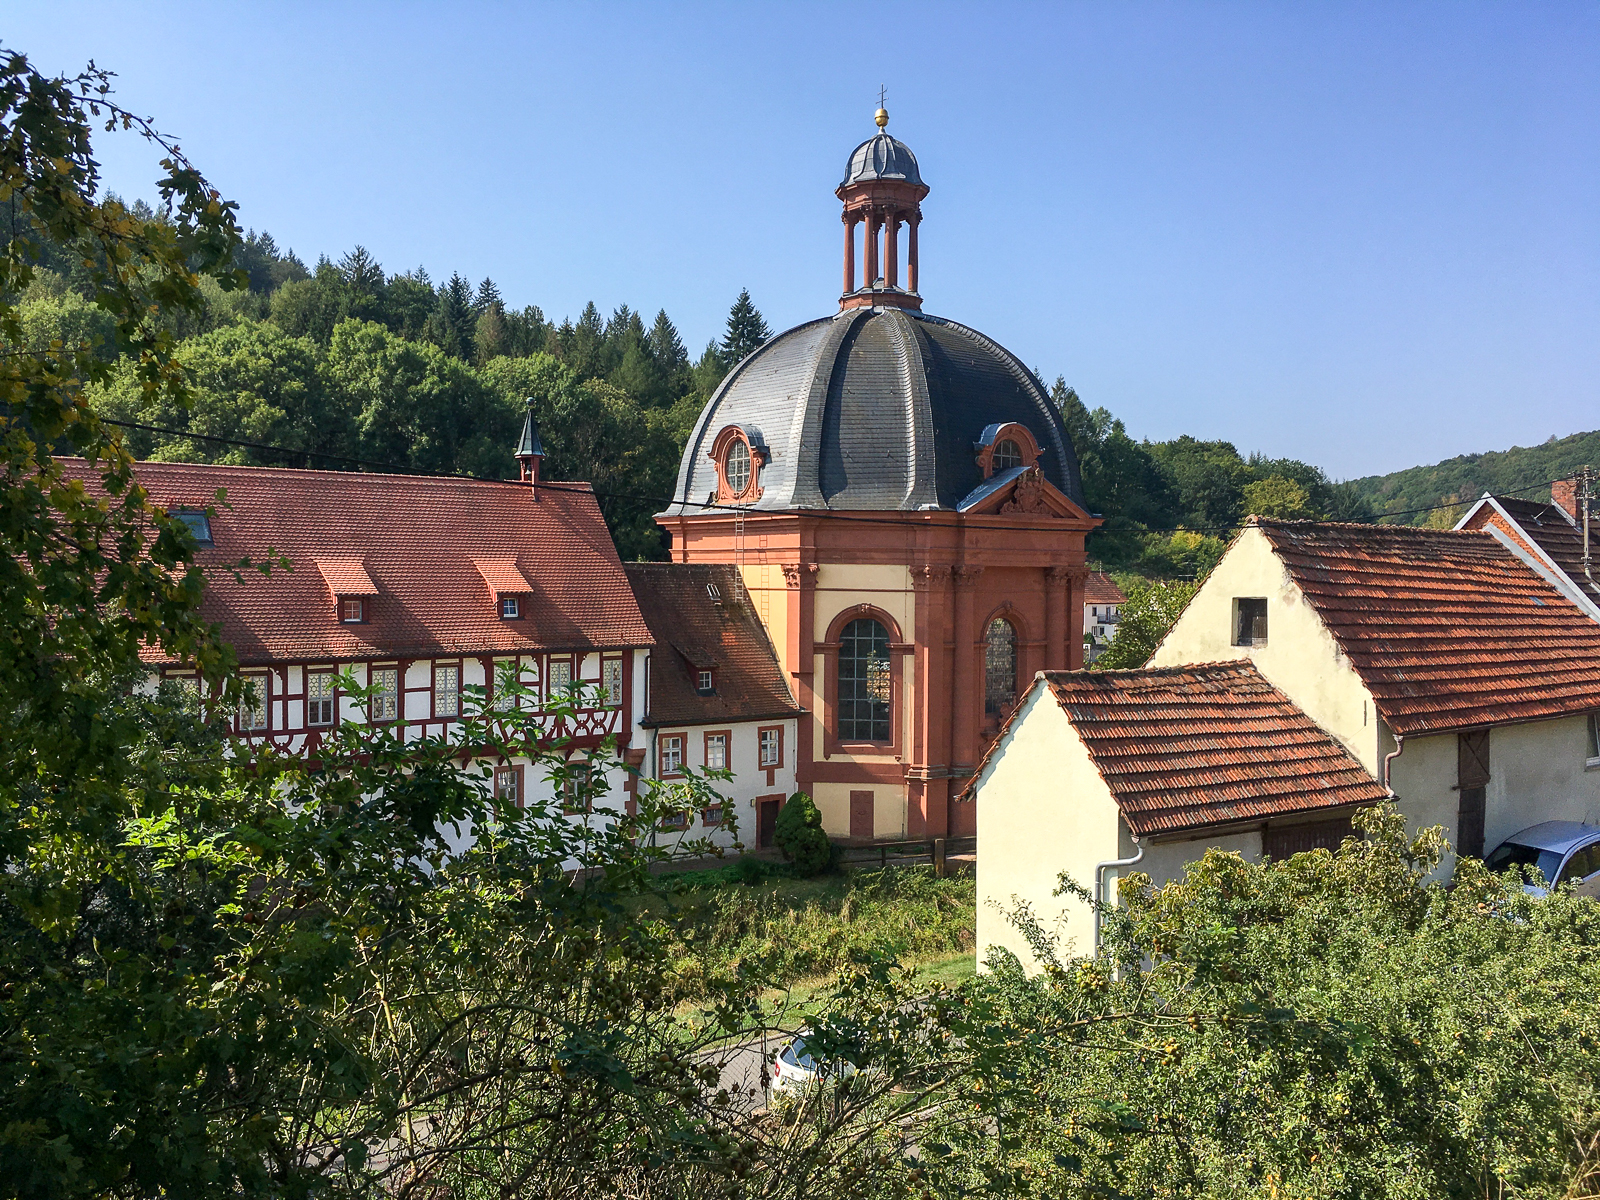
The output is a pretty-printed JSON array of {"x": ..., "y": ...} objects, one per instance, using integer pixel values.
[{"x": 530, "y": 450}]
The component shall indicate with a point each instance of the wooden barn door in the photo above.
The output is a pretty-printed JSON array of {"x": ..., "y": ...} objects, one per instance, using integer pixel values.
[{"x": 1472, "y": 778}]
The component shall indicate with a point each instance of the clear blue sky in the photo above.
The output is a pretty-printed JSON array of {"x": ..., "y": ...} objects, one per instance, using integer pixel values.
[{"x": 1363, "y": 235}]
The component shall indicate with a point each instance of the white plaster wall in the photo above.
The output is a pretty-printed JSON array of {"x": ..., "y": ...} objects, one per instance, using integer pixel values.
[
  {"x": 1042, "y": 809},
  {"x": 1167, "y": 861},
  {"x": 1537, "y": 772},
  {"x": 1300, "y": 658}
]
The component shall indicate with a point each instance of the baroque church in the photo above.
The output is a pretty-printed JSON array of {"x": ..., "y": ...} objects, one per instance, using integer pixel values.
[{"x": 902, "y": 501}]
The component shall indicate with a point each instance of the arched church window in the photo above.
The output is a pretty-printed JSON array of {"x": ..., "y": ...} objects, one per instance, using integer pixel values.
[
  {"x": 1007, "y": 454},
  {"x": 999, "y": 667},
  {"x": 736, "y": 467},
  {"x": 865, "y": 682}
]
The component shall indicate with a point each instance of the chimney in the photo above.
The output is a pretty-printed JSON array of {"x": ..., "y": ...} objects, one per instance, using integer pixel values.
[{"x": 1564, "y": 495}]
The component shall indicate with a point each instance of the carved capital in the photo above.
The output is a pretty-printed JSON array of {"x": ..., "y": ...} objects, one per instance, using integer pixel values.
[
  {"x": 966, "y": 576},
  {"x": 926, "y": 577},
  {"x": 794, "y": 574},
  {"x": 1058, "y": 576}
]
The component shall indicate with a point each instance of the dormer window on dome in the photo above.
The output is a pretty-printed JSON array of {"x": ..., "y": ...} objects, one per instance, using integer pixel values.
[
  {"x": 739, "y": 456},
  {"x": 1004, "y": 447}
]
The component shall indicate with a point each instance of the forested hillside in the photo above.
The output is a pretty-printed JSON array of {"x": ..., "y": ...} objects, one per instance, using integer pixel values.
[
  {"x": 1457, "y": 482},
  {"x": 346, "y": 365}
]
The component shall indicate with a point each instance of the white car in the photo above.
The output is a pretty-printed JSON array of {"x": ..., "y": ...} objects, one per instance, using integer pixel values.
[{"x": 794, "y": 1067}]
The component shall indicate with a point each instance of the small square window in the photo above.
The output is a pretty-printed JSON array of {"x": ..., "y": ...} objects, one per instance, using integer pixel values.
[
  {"x": 198, "y": 523},
  {"x": 319, "y": 698},
  {"x": 1249, "y": 622},
  {"x": 352, "y": 610},
  {"x": 712, "y": 816},
  {"x": 704, "y": 683},
  {"x": 716, "y": 752},
  {"x": 671, "y": 754},
  {"x": 510, "y": 607}
]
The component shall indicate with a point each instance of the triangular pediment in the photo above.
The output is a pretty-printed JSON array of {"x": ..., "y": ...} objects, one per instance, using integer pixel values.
[{"x": 1026, "y": 493}]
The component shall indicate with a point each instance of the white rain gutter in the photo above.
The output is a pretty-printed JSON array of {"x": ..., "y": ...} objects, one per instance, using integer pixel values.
[{"x": 1100, "y": 870}]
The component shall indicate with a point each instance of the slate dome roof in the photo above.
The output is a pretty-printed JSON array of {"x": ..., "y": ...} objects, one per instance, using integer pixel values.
[
  {"x": 882, "y": 157},
  {"x": 874, "y": 408}
]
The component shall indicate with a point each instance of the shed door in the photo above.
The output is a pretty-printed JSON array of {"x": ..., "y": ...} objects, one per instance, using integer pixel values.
[
  {"x": 1472, "y": 775},
  {"x": 1281, "y": 842}
]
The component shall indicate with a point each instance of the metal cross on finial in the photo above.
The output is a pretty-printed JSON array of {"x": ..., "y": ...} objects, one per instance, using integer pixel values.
[{"x": 882, "y": 92}]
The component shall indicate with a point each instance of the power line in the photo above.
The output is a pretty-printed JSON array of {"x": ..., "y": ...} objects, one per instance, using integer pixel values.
[{"x": 737, "y": 510}]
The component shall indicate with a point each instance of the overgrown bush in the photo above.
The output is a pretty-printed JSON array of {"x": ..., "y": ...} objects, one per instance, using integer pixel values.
[{"x": 799, "y": 835}]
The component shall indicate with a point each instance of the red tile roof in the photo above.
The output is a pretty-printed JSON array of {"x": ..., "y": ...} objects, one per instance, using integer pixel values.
[
  {"x": 695, "y": 630},
  {"x": 1183, "y": 748},
  {"x": 1099, "y": 589},
  {"x": 1448, "y": 629},
  {"x": 415, "y": 538}
]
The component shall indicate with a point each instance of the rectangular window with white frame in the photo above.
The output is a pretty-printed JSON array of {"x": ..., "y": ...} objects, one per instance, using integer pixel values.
[
  {"x": 717, "y": 751},
  {"x": 253, "y": 705},
  {"x": 508, "y": 785},
  {"x": 772, "y": 746},
  {"x": 385, "y": 703},
  {"x": 670, "y": 755},
  {"x": 320, "y": 698},
  {"x": 446, "y": 689}
]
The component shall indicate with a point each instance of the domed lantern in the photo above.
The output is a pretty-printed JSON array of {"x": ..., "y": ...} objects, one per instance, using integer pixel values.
[{"x": 882, "y": 190}]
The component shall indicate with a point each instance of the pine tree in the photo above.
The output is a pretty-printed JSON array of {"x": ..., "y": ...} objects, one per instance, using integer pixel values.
[
  {"x": 746, "y": 330},
  {"x": 488, "y": 297},
  {"x": 454, "y": 322},
  {"x": 362, "y": 273},
  {"x": 666, "y": 347}
]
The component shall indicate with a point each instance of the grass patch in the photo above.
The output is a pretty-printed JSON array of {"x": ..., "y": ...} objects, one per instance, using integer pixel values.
[{"x": 788, "y": 930}]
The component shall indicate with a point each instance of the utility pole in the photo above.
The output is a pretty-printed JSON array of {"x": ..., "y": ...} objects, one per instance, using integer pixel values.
[{"x": 1585, "y": 495}]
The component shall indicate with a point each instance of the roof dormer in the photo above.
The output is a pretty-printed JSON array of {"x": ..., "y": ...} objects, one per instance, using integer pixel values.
[{"x": 352, "y": 589}]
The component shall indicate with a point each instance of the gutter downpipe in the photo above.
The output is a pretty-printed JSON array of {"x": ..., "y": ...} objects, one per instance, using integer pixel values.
[
  {"x": 1100, "y": 870},
  {"x": 1399, "y": 749}
]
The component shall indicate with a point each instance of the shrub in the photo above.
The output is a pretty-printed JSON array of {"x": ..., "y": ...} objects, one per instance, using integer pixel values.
[{"x": 799, "y": 835}]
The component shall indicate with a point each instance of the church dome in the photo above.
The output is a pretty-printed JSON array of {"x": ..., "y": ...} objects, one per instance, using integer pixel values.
[
  {"x": 875, "y": 408},
  {"x": 882, "y": 157}
]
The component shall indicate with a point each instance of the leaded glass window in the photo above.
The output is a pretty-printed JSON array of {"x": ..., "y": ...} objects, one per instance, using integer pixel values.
[
  {"x": 999, "y": 667},
  {"x": 865, "y": 682}
]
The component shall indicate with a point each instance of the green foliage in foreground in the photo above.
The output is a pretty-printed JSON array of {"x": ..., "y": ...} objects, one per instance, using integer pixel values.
[
  {"x": 1329, "y": 1026},
  {"x": 1151, "y": 609},
  {"x": 788, "y": 930},
  {"x": 800, "y": 836}
]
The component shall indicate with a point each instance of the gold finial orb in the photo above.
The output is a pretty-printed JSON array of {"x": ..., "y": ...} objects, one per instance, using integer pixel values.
[{"x": 881, "y": 117}]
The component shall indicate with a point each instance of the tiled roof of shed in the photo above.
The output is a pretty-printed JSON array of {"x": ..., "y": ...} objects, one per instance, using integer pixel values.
[
  {"x": 1554, "y": 533},
  {"x": 1448, "y": 629},
  {"x": 694, "y": 630},
  {"x": 415, "y": 538},
  {"x": 1187, "y": 747}
]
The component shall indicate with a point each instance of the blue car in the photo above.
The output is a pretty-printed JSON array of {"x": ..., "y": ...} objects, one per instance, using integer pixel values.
[{"x": 1562, "y": 851}]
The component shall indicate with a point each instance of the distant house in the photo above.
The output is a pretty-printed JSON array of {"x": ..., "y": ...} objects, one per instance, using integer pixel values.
[
  {"x": 419, "y": 588},
  {"x": 1099, "y": 773},
  {"x": 1550, "y": 538},
  {"x": 1102, "y": 609},
  {"x": 716, "y": 696},
  {"x": 1438, "y": 656}
]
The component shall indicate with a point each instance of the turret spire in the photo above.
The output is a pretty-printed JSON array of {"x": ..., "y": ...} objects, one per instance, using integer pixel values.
[
  {"x": 883, "y": 190},
  {"x": 530, "y": 451}
]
